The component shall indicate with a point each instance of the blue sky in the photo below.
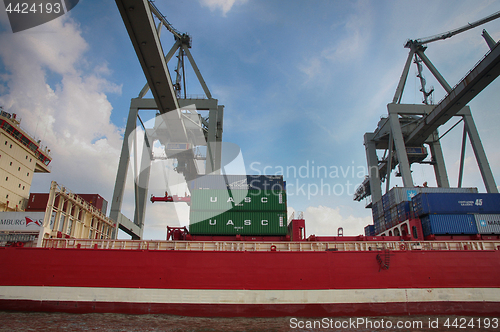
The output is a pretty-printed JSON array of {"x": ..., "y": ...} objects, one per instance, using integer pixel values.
[{"x": 301, "y": 81}]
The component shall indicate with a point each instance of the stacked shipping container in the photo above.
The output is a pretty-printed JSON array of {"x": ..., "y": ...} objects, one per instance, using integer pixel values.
[
  {"x": 238, "y": 200},
  {"x": 370, "y": 230},
  {"x": 38, "y": 201},
  {"x": 395, "y": 206},
  {"x": 448, "y": 224},
  {"x": 487, "y": 223},
  {"x": 257, "y": 182},
  {"x": 446, "y": 203},
  {"x": 458, "y": 213},
  {"x": 238, "y": 204}
]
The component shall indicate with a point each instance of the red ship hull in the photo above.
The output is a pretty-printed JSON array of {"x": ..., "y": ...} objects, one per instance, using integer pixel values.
[{"x": 250, "y": 283}]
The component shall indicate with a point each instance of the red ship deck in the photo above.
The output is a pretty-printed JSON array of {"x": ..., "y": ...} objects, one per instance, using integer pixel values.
[{"x": 310, "y": 279}]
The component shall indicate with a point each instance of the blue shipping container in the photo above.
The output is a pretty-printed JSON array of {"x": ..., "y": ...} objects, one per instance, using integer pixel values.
[
  {"x": 370, "y": 230},
  {"x": 404, "y": 211},
  {"x": 379, "y": 229},
  {"x": 454, "y": 203},
  {"x": 385, "y": 202},
  {"x": 379, "y": 225},
  {"x": 387, "y": 217},
  {"x": 453, "y": 224},
  {"x": 377, "y": 209}
]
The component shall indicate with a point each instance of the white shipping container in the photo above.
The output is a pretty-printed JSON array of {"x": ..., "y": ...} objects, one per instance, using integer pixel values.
[{"x": 488, "y": 223}]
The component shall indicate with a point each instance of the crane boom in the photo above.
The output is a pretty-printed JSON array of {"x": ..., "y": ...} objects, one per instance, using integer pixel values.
[
  {"x": 451, "y": 33},
  {"x": 142, "y": 31}
]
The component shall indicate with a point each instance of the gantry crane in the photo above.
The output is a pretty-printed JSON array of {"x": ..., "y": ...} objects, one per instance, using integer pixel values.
[
  {"x": 177, "y": 126},
  {"x": 403, "y": 133}
]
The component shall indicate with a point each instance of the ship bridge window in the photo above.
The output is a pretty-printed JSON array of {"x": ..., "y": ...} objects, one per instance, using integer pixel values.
[
  {"x": 8, "y": 127},
  {"x": 25, "y": 140}
]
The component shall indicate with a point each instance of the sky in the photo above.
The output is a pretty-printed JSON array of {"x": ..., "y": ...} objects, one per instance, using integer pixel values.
[{"x": 301, "y": 82}]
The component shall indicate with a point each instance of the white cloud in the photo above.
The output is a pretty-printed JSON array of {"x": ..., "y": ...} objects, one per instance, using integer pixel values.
[
  {"x": 224, "y": 5},
  {"x": 63, "y": 102},
  {"x": 323, "y": 220},
  {"x": 157, "y": 222},
  {"x": 356, "y": 35}
]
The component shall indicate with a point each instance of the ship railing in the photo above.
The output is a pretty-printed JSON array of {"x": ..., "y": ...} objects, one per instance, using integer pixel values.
[{"x": 270, "y": 246}]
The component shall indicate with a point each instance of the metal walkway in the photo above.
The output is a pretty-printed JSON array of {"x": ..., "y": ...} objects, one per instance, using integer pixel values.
[{"x": 271, "y": 246}]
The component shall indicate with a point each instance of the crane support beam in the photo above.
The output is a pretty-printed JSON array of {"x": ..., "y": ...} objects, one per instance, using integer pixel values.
[
  {"x": 399, "y": 143},
  {"x": 482, "y": 160},
  {"x": 197, "y": 72},
  {"x": 478, "y": 78},
  {"x": 373, "y": 173},
  {"x": 402, "y": 81},
  {"x": 142, "y": 31}
]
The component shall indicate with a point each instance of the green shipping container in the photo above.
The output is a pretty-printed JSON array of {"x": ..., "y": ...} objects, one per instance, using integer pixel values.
[
  {"x": 238, "y": 200},
  {"x": 232, "y": 223}
]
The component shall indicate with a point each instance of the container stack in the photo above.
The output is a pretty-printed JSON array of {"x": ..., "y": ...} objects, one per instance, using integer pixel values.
[
  {"x": 238, "y": 204},
  {"x": 370, "y": 230},
  {"x": 378, "y": 217},
  {"x": 38, "y": 202},
  {"x": 395, "y": 206},
  {"x": 458, "y": 213}
]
